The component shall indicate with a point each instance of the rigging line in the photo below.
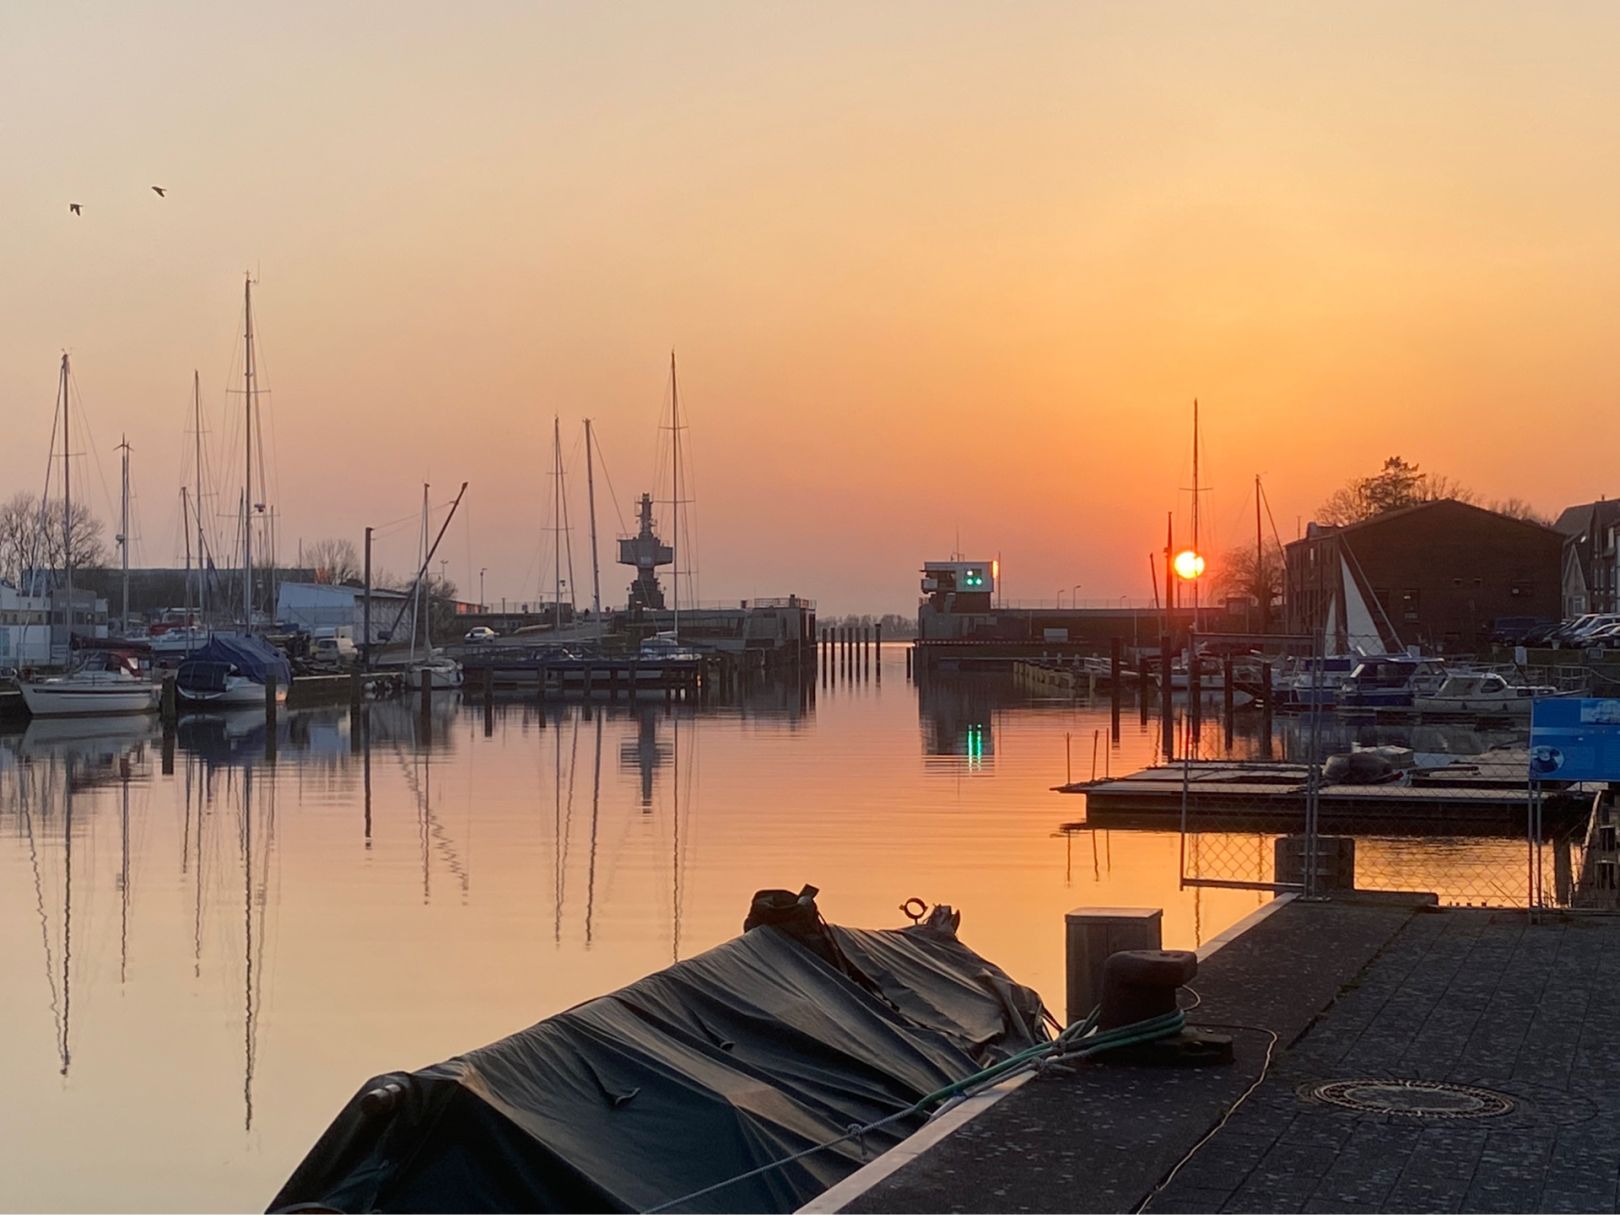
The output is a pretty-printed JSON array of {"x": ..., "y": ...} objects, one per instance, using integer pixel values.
[
  {"x": 613, "y": 497},
  {"x": 83, "y": 417}
]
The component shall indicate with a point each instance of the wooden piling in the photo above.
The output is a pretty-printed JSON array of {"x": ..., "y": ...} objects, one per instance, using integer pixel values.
[
  {"x": 1167, "y": 723},
  {"x": 1195, "y": 688},
  {"x": 270, "y": 699},
  {"x": 1226, "y": 698},
  {"x": 877, "y": 649},
  {"x": 1142, "y": 688},
  {"x": 168, "y": 748},
  {"x": 169, "y": 701},
  {"x": 1115, "y": 681},
  {"x": 1265, "y": 709}
]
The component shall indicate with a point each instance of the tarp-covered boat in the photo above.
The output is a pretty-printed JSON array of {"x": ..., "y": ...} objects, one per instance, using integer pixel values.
[
  {"x": 736, "y": 1059},
  {"x": 232, "y": 670}
]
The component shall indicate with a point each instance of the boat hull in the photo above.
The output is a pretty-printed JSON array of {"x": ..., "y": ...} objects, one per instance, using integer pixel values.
[
  {"x": 437, "y": 678},
  {"x": 238, "y": 693},
  {"x": 71, "y": 699}
]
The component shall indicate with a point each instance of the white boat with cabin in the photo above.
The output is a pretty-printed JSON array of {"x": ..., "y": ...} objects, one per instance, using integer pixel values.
[
  {"x": 1482, "y": 693},
  {"x": 103, "y": 683}
]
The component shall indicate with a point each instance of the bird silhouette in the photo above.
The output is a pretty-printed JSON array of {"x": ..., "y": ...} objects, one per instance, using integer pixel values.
[
  {"x": 73, "y": 207},
  {"x": 158, "y": 190}
]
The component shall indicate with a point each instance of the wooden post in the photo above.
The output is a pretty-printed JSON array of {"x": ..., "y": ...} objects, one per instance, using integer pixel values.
[
  {"x": 270, "y": 699},
  {"x": 427, "y": 694},
  {"x": 877, "y": 649},
  {"x": 1265, "y": 709},
  {"x": 1092, "y": 934},
  {"x": 1226, "y": 697},
  {"x": 1167, "y": 723},
  {"x": 1116, "y": 677},
  {"x": 168, "y": 748},
  {"x": 909, "y": 650},
  {"x": 1195, "y": 686},
  {"x": 1142, "y": 688},
  {"x": 169, "y": 701}
]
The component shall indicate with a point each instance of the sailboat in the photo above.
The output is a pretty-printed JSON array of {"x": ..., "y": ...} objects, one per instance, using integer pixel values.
[
  {"x": 234, "y": 671},
  {"x": 439, "y": 672},
  {"x": 103, "y": 681}
]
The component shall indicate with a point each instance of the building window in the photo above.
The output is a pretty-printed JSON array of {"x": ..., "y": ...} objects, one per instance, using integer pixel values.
[{"x": 1409, "y": 604}]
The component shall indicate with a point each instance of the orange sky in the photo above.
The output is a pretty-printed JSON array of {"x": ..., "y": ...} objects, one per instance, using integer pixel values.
[{"x": 928, "y": 267}]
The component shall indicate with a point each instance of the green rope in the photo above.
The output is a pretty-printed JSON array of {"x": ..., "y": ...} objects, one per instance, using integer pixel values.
[{"x": 1076, "y": 1042}]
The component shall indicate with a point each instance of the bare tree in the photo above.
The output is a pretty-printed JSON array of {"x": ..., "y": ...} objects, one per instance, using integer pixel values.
[
  {"x": 1518, "y": 508},
  {"x": 334, "y": 560},
  {"x": 1396, "y": 485},
  {"x": 35, "y": 538},
  {"x": 1242, "y": 572}
]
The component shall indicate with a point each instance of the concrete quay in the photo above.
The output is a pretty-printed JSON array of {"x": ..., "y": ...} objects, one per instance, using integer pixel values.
[{"x": 1388, "y": 1002}]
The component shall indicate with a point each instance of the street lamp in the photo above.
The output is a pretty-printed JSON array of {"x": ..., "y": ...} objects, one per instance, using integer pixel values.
[
  {"x": 483, "y": 604},
  {"x": 1074, "y": 596},
  {"x": 1060, "y": 598}
]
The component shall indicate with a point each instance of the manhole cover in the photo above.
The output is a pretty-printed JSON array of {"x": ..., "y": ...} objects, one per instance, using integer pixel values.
[{"x": 1414, "y": 1098}]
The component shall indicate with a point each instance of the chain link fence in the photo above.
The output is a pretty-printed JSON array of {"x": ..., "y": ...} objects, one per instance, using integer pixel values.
[{"x": 1302, "y": 795}]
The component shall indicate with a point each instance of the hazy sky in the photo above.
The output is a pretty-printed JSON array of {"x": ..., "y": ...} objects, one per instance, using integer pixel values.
[{"x": 931, "y": 269}]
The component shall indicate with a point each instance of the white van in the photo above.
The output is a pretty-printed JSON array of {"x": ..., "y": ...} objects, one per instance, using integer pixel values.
[{"x": 339, "y": 651}]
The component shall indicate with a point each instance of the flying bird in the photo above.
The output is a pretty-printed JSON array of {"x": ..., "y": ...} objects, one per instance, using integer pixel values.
[
  {"x": 73, "y": 207},
  {"x": 158, "y": 190}
]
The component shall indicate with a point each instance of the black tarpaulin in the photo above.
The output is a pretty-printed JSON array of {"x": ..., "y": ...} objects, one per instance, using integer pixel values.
[{"x": 741, "y": 1056}]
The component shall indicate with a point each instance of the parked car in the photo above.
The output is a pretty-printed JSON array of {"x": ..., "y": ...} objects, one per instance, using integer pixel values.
[
  {"x": 1511, "y": 630},
  {"x": 1606, "y": 636},
  {"x": 478, "y": 635},
  {"x": 1581, "y": 635},
  {"x": 1538, "y": 636}
]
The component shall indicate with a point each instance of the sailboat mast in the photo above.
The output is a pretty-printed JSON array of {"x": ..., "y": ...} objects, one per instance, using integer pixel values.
[
  {"x": 67, "y": 507},
  {"x": 123, "y": 531},
  {"x": 556, "y": 523},
  {"x": 185, "y": 531},
  {"x": 596, "y": 571},
  {"x": 675, "y": 491},
  {"x": 197, "y": 501},
  {"x": 247, "y": 484},
  {"x": 1262, "y": 584},
  {"x": 1195, "y": 508},
  {"x": 421, "y": 583}
]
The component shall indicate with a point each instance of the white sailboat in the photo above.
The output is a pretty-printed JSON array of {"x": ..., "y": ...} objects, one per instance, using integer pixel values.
[{"x": 102, "y": 681}]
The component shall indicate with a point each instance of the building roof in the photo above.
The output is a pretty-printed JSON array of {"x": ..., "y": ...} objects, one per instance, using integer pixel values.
[
  {"x": 1320, "y": 530},
  {"x": 1574, "y": 520}
]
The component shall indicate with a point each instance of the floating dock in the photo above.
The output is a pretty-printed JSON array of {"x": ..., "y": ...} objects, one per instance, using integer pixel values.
[{"x": 1248, "y": 796}]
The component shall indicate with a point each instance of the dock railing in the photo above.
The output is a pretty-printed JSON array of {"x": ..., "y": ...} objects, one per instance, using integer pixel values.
[{"x": 1324, "y": 802}]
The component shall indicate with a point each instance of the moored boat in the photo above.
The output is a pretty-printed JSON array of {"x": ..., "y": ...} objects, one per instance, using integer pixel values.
[
  {"x": 1485, "y": 694},
  {"x": 104, "y": 682},
  {"x": 231, "y": 670}
]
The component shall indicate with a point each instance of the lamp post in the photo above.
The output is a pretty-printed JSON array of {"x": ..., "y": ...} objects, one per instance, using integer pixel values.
[
  {"x": 483, "y": 605},
  {"x": 1060, "y": 599},
  {"x": 1074, "y": 596}
]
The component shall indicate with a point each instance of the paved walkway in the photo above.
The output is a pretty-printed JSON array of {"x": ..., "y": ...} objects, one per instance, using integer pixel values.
[
  {"x": 1473, "y": 998},
  {"x": 1101, "y": 1138}
]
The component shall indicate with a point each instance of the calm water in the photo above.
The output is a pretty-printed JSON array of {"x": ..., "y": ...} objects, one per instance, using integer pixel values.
[{"x": 198, "y": 968}]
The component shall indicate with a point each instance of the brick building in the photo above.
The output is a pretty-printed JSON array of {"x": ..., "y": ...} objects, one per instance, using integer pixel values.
[
  {"x": 1590, "y": 581},
  {"x": 1435, "y": 574}
]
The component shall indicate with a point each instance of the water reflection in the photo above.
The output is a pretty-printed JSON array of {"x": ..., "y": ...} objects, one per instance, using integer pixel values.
[{"x": 301, "y": 907}]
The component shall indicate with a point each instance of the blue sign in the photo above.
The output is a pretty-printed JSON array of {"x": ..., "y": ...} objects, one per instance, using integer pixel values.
[{"x": 1573, "y": 739}]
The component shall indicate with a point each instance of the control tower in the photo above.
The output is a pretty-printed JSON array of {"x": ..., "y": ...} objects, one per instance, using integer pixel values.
[{"x": 646, "y": 552}]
